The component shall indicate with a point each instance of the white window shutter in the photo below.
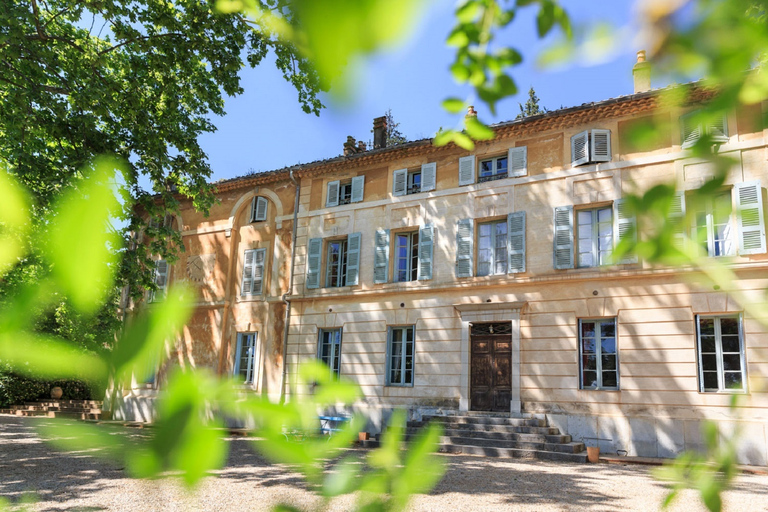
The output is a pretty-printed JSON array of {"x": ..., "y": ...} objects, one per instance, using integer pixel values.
[
  {"x": 332, "y": 199},
  {"x": 601, "y": 145},
  {"x": 464, "y": 248},
  {"x": 428, "y": 176},
  {"x": 259, "y": 209},
  {"x": 467, "y": 170},
  {"x": 247, "y": 285},
  {"x": 258, "y": 271},
  {"x": 381, "y": 257},
  {"x": 399, "y": 182},
  {"x": 426, "y": 250},
  {"x": 677, "y": 217},
  {"x": 690, "y": 130},
  {"x": 161, "y": 280},
  {"x": 358, "y": 186},
  {"x": 353, "y": 259},
  {"x": 749, "y": 210},
  {"x": 314, "y": 255},
  {"x": 516, "y": 242},
  {"x": 624, "y": 226},
  {"x": 580, "y": 148},
  {"x": 518, "y": 161},
  {"x": 718, "y": 129},
  {"x": 563, "y": 251},
  {"x": 252, "y": 216}
]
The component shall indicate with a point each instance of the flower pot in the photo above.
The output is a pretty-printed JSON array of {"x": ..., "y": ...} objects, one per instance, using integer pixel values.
[
  {"x": 362, "y": 436},
  {"x": 56, "y": 392},
  {"x": 593, "y": 454}
]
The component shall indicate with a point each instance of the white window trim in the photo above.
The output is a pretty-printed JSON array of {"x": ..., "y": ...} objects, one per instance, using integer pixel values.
[
  {"x": 595, "y": 236},
  {"x": 403, "y": 356},
  {"x": 409, "y": 259},
  {"x": 335, "y": 349},
  {"x": 719, "y": 355},
  {"x": 709, "y": 212},
  {"x": 161, "y": 292},
  {"x": 495, "y": 175},
  {"x": 493, "y": 247},
  {"x": 598, "y": 355},
  {"x": 250, "y": 378},
  {"x": 343, "y": 248}
]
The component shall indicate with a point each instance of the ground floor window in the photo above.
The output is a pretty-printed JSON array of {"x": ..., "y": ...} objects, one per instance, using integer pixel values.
[
  {"x": 400, "y": 356},
  {"x": 329, "y": 349},
  {"x": 721, "y": 354},
  {"x": 245, "y": 357},
  {"x": 599, "y": 354}
]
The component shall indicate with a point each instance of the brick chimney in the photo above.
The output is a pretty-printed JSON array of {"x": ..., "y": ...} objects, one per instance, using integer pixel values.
[
  {"x": 471, "y": 112},
  {"x": 361, "y": 147},
  {"x": 350, "y": 147},
  {"x": 380, "y": 132},
  {"x": 641, "y": 73}
]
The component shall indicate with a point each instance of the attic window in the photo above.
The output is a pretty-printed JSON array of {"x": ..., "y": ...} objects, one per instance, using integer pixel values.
[
  {"x": 591, "y": 146},
  {"x": 258, "y": 209},
  {"x": 694, "y": 125}
]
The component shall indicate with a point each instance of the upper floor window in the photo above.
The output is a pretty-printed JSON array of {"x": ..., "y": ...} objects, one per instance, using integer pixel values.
[
  {"x": 696, "y": 124},
  {"x": 329, "y": 349},
  {"x": 501, "y": 246},
  {"x": 591, "y": 146},
  {"x": 413, "y": 181},
  {"x": 259, "y": 209},
  {"x": 599, "y": 354},
  {"x": 493, "y": 169},
  {"x": 713, "y": 228},
  {"x": 594, "y": 232},
  {"x": 160, "y": 279},
  {"x": 336, "y": 264},
  {"x": 412, "y": 255},
  {"x": 245, "y": 357},
  {"x": 345, "y": 192},
  {"x": 492, "y": 248},
  {"x": 513, "y": 164},
  {"x": 406, "y": 256},
  {"x": 721, "y": 353},
  {"x": 253, "y": 272},
  {"x": 341, "y": 262}
]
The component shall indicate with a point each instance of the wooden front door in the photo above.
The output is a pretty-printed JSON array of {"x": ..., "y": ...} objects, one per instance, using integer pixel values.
[{"x": 491, "y": 366}]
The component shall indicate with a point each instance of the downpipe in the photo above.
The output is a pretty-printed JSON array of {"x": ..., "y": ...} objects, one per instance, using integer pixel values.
[{"x": 287, "y": 295}]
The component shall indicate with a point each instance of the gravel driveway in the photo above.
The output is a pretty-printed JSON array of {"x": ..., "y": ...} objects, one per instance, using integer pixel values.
[{"x": 80, "y": 482}]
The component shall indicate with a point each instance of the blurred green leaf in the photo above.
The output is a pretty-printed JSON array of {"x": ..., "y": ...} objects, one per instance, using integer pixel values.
[
  {"x": 545, "y": 20},
  {"x": 344, "y": 478},
  {"x": 14, "y": 219},
  {"x": 453, "y": 105},
  {"x": 463, "y": 141},
  {"x": 46, "y": 356},
  {"x": 478, "y": 130},
  {"x": 71, "y": 436}
]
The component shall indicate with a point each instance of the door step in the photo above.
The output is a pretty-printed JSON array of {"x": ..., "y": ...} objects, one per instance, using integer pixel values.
[{"x": 70, "y": 409}]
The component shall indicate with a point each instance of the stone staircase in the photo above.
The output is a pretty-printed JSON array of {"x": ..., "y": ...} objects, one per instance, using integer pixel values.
[
  {"x": 500, "y": 435},
  {"x": 71, "y": 409}
]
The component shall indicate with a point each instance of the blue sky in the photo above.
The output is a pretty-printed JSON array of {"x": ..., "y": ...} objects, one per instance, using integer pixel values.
[{"x": 265, "y": 128}]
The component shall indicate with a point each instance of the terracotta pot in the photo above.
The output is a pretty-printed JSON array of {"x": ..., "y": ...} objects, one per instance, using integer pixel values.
[
  {"x": 362, "y": 436},
  {"x": 56, "y": 392},
  {"x": 593, "y": 454}
]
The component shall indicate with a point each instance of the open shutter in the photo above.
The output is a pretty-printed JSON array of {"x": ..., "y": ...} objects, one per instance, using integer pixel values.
[
  {"x": 428, "y": 176},
  {"x": 353, "y": 259},
  {"x": 718, "y": 128},
  {"x": 677, "y": 218},
  {"x": 601, "y": 145},
  {"x": 259, "y": 210},
  {"x": 518, "y": 161},
  {"x": 358, "y": 183},
  {"x": 749, "y": 211},
  {"x": 690, "y": 129},
  {"x": 161, "y": 280},
  {"x": 516, "y": 242},
  {"x": 400, "y": 182},
  {"x": 247, "y": 284},
  {"x": 467, "y": 170},
  {"x": 381, "y": 257},
  {"x": 258, "y": 271},
  {"x": 580, "y": 148},
  {"x": 563, "y": 255},
  {"x": 464, "y": 248},
  {"x": 332, "y": 199},
  {"x": 314, "y": 255},
  {"x": 624, "y": 226},
  {"x": 426, "y": 249}
]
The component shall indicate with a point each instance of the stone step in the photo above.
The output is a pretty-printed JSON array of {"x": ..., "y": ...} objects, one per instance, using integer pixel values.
[
  {"x": 53, "y": 414},
  {"x": 480, "y": 427},
  {"x": 570, "y": 447},
  {"x": 65, "y": 403},
  {"x": 500, "y": 435},
  {"x": 517, "y": 453},
  {"x": 487, "y": 420},
  {"x": 93, "y": 410}
]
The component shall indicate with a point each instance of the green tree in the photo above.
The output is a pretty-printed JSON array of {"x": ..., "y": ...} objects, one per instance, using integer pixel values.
[
  {"x": 531, "y": 107},
  {"x": 393, "y": 133}
]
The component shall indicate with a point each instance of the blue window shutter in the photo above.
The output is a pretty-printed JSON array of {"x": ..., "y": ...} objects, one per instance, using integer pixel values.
[
  {"x": 381, "y": 257},
  {"x": 400, "y": 182},
  {"x": 624, "y": 226},
  {"x": 428, "y": 176},
  {"x": 464, "y": 248},
  {"x": 426, "y": 251},
  {"x": 563, "y": 251},
  {"x": 749, "y": 211},
  {"x": 358, "y": 187},
  {"x": 353, "y": 259},
  {"x": 314, "y": 255},
  {"x": 516, "y": 242},
  {"x": 332, "y": 198}
]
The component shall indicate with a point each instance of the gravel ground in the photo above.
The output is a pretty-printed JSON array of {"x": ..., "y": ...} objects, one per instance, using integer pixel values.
[{"x": 80, "y": 482}]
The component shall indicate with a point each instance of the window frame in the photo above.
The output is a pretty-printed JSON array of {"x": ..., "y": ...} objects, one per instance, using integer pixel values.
[
  {"x": 702, "y": 129},
  {"x": 403, "y": 356},
  {"x": 719, "y": 354},
  {"x": 412, "y": 269},
  {"x": 343, "y": 261},
  {"x": 250, "y": 371},
  {"x": 494, "y": 248},
  {"x": 335, "y": 349},
  {"x": 709, "y": 211},
  {"x": 495, "y": 174},
  {"x": 599, "y": 355},
  {"x": 160, "y": 293},
  {"x": 595, "y": 236}
]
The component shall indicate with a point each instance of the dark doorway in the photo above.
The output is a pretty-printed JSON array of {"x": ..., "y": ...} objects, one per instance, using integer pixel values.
[{"x": 491, "y": 366}]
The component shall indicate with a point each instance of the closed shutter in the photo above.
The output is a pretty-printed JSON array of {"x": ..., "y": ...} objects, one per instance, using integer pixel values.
[
  {"x": 749, "y": 210},
  {"x": 718, "y": 128},
  {"x": 601, "y": 145},
  {"x": 464, "y": 248},
  {"x": 381, "y": 257},
  {"x": 332, "y": 199},
  {"x": 624, "y": 227},
  {"x": 466, "y": 170},
  {"x": 258, "y": 271},
  {"x": 518, "y": 161},
  {"x": 247, "y": 284},
  {"x": 400, "y": 182},
  {"x": 677, "y": 219},
  {"x": 563, "y": 253},
  {"x": 428, "y": 176},
  {"x": 259, "y": 209},
  {"x": 516, "y": 242},
  {"x": 161, "y": 280},
  {"x": 353, "y": 259},
  {"x": 690, "y": 130},
  {"x": 426, "y": 250},
  {"x": 314, "y": 255},
  {"x": 580, "y": 148},
  {"x": 358, "y": 184}
]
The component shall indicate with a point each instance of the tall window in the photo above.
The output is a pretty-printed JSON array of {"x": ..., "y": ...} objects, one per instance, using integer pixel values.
[
  {"x": 329, "y": 349},
  {"x": 493, "y": 169},
  {"x": 336, "y": 264},
  {"x": 161, "y": 281},
  {"x": 406, "y": 256},
  {"x": 492, "y": 251},
  {"x": 400, "y": 356},
  {"x": 721, "y": 354},
  {"x": 595, "y": 236},
  {"x": 245, "y": 357},
  {"x": 714, "y": 227},
  {"x": 599, "y": 356},
  {"x": 345, "y": 192}
]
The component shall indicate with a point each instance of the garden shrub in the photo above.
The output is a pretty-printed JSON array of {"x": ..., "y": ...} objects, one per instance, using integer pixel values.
[{"x": 15, "y": 389}]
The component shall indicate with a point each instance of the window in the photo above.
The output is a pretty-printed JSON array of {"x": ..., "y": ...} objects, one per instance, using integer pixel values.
[
  {"x": 400, "y": 356},
  {"x": 713, "y": 228},
  {"x": 492, "y": 248},
  {"x": 599, "y": 355},
  {"x": 493, "y": 169},
  {"x": 721, "y": 354},
  {"x": 342, "y": 261},
  {"x": 594, "y": 232},
  {"x": 406, "y": 256},
  {"x": 696, "y": 124},
  {"x": 253, "y": 272},
  {"x": 259, "y": 209},
  {"x": 413, "y": 255},
  {"x": 329, "y": 349},
  {"x": 591, "y": 146},
  {"x": 345, "y": 192},
  {"x": 161, "y": 281},
  {"x": 413, "y": 181},
  {"x": 245, "y": 357},
  {"x": 513, "y": 164}
]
